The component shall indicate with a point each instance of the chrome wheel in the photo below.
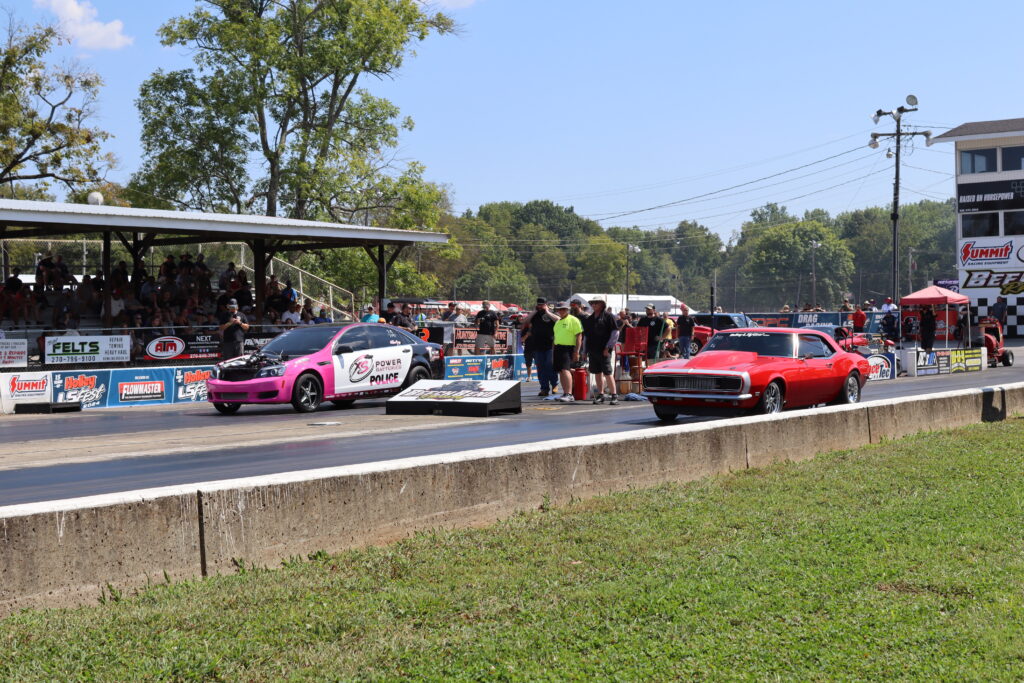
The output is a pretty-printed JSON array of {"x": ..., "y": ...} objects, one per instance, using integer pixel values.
[
  {"x": 852, "y": 388},
  {"x": 694, "y": 348},
  {"x": 771, "y": 399}
]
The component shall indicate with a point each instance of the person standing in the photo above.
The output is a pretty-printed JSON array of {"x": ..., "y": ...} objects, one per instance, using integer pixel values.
[
  {"x": 539, "y": 331},
  {"x": 655, "y": 327},
  {"x": 404, "y": 319},
  {"x": 369, "y": 316},
  {"x": 601, "y": 332},
  {"x": 486, "y": 326},
  {"x": 685, "y": 323},
  {"x": 998, "y": 310},
  {"x": 927, "y": 328},
  {"x": 452, "y": 311},
  {"x": 568, "y": 339},
  {"x": 859, "y": 318},
  {"x": 233, "y": 326},
  {"x": 889, "y": 306}
]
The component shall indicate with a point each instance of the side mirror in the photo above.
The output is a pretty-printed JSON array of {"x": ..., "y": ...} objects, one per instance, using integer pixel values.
[{"x": 342, "y": 348}]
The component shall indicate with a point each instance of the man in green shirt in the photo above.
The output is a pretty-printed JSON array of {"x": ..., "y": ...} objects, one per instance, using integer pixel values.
[{"x": 568, "y": 338}]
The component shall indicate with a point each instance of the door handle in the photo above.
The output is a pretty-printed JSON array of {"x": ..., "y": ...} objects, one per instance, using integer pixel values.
[
  {"x": 828, "y": 365},
  {"x": 406, "y": 350}
]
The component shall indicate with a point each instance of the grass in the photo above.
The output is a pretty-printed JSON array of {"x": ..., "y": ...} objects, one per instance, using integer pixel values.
[{"x": 904, "y": 560}]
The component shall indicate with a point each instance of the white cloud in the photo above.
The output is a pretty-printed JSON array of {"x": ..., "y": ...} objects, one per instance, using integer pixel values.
[
  {"x": 454, "y": 4},
  {"x": 78, "y": 19}
]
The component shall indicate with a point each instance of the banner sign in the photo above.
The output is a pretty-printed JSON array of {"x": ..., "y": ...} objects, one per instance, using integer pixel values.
[
  {"x": 190, "y": 384},
  {"x": 25, "y": 387},
  {"x": 883, "y": 366},
  {"x": 204, "y": 346},
  {"x": 13, "y": 353},
  {"x": 996, "y": 195},
  {"x": 465, "y": 340},
  {"x": 464, "y": 367},
  {"x": 105, "y": 349},
  {"x": 947, "y": 361},
  {"x": 501, "y": 367},
  {"x": 91, "y": 387},
  {"x": 256, "y": 341},
  {"x": 140, "y": 386},
  {"x": 952, "y": 284}
]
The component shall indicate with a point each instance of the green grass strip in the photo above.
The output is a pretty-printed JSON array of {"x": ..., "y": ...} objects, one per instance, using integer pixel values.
[{"x": 899, "y": 561}]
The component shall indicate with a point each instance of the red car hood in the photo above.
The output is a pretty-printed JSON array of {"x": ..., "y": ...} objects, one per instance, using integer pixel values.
[{"x": 739, "y": 361}]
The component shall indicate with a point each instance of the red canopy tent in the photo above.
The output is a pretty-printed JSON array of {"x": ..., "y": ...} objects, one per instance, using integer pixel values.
[{"x": 936, "y": 296}]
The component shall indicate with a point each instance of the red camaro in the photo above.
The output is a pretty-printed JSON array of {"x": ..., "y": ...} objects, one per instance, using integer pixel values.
[{"x": 759, "y": 369}]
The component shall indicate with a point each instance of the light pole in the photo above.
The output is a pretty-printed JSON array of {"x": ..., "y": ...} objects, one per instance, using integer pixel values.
[
  {"x": 899, "y": 134},
  {"x": 636, "y": 250},
  {"x": 814, "y": 272}
]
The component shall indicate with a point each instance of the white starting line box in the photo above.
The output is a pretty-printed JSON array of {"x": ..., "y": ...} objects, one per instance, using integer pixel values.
[{"x": 461, "y": 397}]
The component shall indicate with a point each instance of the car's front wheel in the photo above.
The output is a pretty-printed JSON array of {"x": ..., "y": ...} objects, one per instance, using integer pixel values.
[
  {"x": 771, "y": 399},
  {"x": 1008, "y": 358},
  {"x": 665, "y": 413},
  {"x": 694, "y": 347},
  {"x": 850, "y": 391},
  {"x": 227, "y": 408},
  {"x": 307, "y": 394}
]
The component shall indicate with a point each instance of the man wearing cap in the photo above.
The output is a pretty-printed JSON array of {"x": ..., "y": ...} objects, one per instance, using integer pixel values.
[
  {"x": 539, "y": 335},
  {"x": 233, "y": 326},
  {"x": 889, "y": 305},
  {"x": 601, "y": 332},
  {"x": 486, "y": 325},
  {"x": 369, "y": 316},
  {"x": 655, "y": 330},
  {"x": 568, "y": 339},
  {"x": 452, "y": 311}
]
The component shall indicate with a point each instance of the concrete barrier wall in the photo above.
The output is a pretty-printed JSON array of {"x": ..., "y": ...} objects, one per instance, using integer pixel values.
[{"x": 65, "y": 553}]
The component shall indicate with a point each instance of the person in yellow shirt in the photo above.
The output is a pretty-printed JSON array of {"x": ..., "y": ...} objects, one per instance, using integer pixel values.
[{"x": 568, "y": 338}]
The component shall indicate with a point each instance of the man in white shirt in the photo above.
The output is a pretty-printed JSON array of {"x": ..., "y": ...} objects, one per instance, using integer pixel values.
[
  {"x": 889, "y": 306},
  {"x": 292, "y": 316}
]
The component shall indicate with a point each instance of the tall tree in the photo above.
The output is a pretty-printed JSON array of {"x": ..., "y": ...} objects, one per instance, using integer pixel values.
[
  {"x": 45, "y": 112},
  {"x": 273, "y": 119}
]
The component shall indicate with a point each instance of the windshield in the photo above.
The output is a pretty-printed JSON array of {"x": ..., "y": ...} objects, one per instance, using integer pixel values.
[
  {"x": 300, "y": 341},
  {"x": 761, "y": 343}
]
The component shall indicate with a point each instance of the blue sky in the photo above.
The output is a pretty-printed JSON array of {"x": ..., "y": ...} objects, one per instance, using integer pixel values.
[{"x": 612, "y": 107}]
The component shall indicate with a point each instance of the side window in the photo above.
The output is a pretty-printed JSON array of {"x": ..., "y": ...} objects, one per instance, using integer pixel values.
[
  {"x": 358, "y": 339},
  {"x": 380, "y": 337},
  {"x": 814, "y": 346},
  {"x": 398, "y": 337},
  {"x": 724, "y": 322}
]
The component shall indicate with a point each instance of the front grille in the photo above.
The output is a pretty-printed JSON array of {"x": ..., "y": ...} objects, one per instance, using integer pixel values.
[
  {"x": 701, "y": 383},
  {"x": 233, "y": 395},
  {"x": 237, "y": 374}
]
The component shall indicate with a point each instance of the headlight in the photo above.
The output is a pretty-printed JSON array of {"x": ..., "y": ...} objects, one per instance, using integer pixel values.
[
  {"x": 215, "y": 372},
  {"x": 271, "y": 371}
]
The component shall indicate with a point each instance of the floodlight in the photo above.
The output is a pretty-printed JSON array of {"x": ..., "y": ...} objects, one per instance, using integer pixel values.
[
  {"x": 873, "y": 144},
  {"x": 912, "y": 100}
]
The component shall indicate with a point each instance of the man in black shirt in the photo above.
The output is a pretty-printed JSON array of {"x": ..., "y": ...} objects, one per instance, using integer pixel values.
[
  {"x": 403, "y": 319},
  {"x": 450, "y": 313},
  {"x": 601, "y": 331},
  {"x": 486, "y": 325},
  {"x": 233, "y": 326},
  {"x": 685, "y": 324},
  {"x": 655, "y": 331},
  {"x": 389, "y": 313},
  {"x": 539, "y": 332}
]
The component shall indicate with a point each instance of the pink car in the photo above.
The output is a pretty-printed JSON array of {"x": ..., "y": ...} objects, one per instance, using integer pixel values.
[{"x": 309, "y": 364}]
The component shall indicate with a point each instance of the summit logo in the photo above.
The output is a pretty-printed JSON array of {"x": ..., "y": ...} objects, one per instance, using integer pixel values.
[
  {"x": 971, "y": 253},
  {"x": 28, "y": 387}
]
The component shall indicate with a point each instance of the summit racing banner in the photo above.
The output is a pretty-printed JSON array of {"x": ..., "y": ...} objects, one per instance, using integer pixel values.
[
  {"x": 24, "y": 387},
  {"x": 141, "y": 386},
  {"x": 105, "y": 349},
  {"x": 90, "y": 387},
  {"x": 190, "y": 384}
]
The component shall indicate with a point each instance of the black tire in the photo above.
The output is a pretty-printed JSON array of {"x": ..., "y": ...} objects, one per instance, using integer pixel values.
[
  {"x": 1008, "y": 358},
  {"x": 694, "y": 348},
  {"x": 307, "y": 395},
  {"x": 849, "y": 393},
  {"x": 227, "y": 408},
  {"x": 343, "y": 402},
  {"x": 773, "y": 398},
  {"x": 417, "y": 373},
  {"x": 665, "y": 413}
]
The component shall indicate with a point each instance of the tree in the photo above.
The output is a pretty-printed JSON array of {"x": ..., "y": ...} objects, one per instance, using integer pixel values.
[
  {"x": 272, "y": 119},
  {"x": 601, "y": 266},
  {"x": 45, "y": 135}
]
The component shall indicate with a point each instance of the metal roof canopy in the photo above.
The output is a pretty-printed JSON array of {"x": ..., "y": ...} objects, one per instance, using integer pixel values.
[
  {"x": 139, "y": 229},
  {"x": 979, "y": 130}
]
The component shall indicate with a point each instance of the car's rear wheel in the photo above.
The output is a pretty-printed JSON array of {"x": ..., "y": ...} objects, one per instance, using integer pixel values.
[
  {"x": 227, "y": 408},
  {"x": 665, "y": 413},
  {"x": 1008, "y": 358},
  {"x": 694, "y": 347},
  {"x": 850, "y": 391},
  {"x": 771, "y": 399},
  {"x": 343, "y": 402},
  {"x": 415, "y": 375},
  {"x": 307, "y": 394}
]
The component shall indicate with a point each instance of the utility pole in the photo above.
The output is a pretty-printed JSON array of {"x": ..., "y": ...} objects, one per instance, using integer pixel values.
[
  {"x": 636, "y": 250},
  {"x": 898, "y": 135},
  {"x": 814, "y": 272},
  {"x": 910, "y": 269}
]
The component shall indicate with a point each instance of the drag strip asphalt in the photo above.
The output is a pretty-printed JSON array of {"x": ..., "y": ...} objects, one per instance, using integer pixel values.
[{"x": 244, "y": 455}]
